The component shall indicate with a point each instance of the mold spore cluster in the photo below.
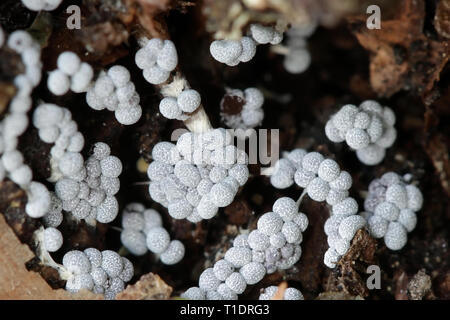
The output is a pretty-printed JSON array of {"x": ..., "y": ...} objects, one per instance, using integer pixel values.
[
  {"x": 298, "y": 58},
  {"x": 15, "y": 122},
  {"x": 143, "y": 230},
  {"x": 180, "y": 106},
  {"x": 232, "y": 52},
  {"x": 368, "y": 129},
  {"x": 251, "y": 114},
  {"x": 391, "y": 205},
  {"x": 323, "y": 180},
  {"x": 86, "y": 188},
  {"x": 39, "y": 5},
  {"x": 198, "y": 175},
  {"x": 114, "y": 91},
  {"x": 157, "y": 58},
  {"x": 90, "y": 194},
  {"x": 274, "y": 245},
  {"x": 289, "y": 294},
  {"x": 71, "y": 74},
  {"x": 102, "y": 272}
]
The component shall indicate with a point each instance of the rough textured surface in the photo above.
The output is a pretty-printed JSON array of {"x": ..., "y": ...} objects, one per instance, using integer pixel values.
[
  {"x": 404, "y": 72},
  {"x": 149, "y": 287}
]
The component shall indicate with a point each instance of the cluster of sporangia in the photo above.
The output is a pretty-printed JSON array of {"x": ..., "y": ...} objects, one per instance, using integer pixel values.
[
  {"x": 323, "y": 180},
  {"x": 102, "y": 272},
  {"x": 198, "y": 175},
  {"x": 194, "y": 177},
  {"x": 368, "y": 129},
  {"x": 273, "y": 245},
  {"x": 391, "y": 205},
  {"x": 142, "y": 230}
]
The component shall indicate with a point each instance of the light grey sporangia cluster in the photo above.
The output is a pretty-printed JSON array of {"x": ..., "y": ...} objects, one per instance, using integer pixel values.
[
  {"x": 391, "y": 205},
  {"x": 143, "y": 230},
  {"x": 114, "y": 91},
  {"x": 231, "y": 52},
  {"x": 297, "y": 58},
  {"x": 368, "y": 129},
  {"x": 71, "y": 74},
  {"x": 102, "y": 272},
  {"x": 252, "y": 113},
  {"x": 273, "y": 245},
  {"x": 158, "y": 58},
  {"x": 289, "y": 294},
  {"x": 199, "y": 174},
  {"x": 86, "y": 189},
  {"x": 323, "y": 180}
]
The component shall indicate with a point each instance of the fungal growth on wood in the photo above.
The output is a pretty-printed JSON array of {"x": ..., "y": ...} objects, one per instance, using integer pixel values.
[{"x": 136, "y": 160}]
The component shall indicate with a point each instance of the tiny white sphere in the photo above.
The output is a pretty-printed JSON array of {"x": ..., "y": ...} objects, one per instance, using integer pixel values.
[
  {"x": 292, "y": 294},
  {"x": 311, "y": 161},
  {"x": 94, "y": 256},
  {"x": 286, "y": 208},
  {"x": 387, "y": 210},
  {"x": 357, "y": 138},
  {"x": 377, "y": 226},
  {"x": 103, "y": 87},
  {"x": 158, "y": 240},
  {"x": 66, "y": 189},
  {"x": 112, "y": 263},
  {"x": 226, "y": 51},
  {"x": 349, "y": 226},
  {"x": 303, "y": 177},
  {"x": 58, "y": 82},
  {"x": 119, "y": 75},
  {"x": 236, "y": 282},
  {"x": 111, "y": 166},
  {"x": 395, "y": 237},
  {"x": 189, "y": 100},
  {"x": 397, "y": 195},
  {"x": 262, "y": 34},
  {"x": 408, "y": 219},
  {"x": 169, "y": 108},
  {"x": 180, "y": 209},
  {"x": 415, "y": 197},
  {"x": 257, "y": 240},
  {"x": 248, "y": 49},
  {"x": 71, "y": 163},
  {"x": 270, "y": 223},
  {"x": 53, "y": 239},
  {"x": 222, "y": 269},
  {"x": 193, "y": 293},
  {"x": 333, "y": 133},
  {"x": 292, "y": 232},
  {"x": 346, "y": 207},
  {"x": 167, "y": 58},
  {"x": 226, "y": 292},
  {"x": 82, "y": 78},
  {"x": 68, "y": 62},
  {"x": 342, "y": 182},
  {"x": 155, "y": 75},
  {"x": 208, "y": 281},
  {"x": 76, "y": 262},
  {"x": 329, "y": 170},
  {"x": 238, "y": 256},
  {"x": 107, "y": 211},
  {"x": 134, "y": 241},
  {"x": 174, "y": 253},
  {"x": 318, "y": 189},
  {"x": 221, "y": 194}
]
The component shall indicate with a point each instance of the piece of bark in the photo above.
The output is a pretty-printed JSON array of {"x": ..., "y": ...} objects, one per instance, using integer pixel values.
[
  {"x": 149, "y": 287},
  {"x": 402, "y": 56},
  {"x": 16, "y": 282}
]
